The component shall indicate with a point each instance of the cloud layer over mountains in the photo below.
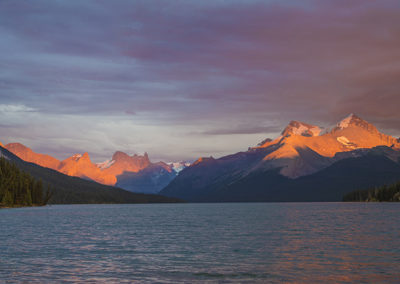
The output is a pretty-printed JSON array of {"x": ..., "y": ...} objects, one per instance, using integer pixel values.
[{"x": 182, "y": 79}]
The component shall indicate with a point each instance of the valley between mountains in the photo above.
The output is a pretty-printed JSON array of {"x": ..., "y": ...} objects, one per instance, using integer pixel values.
[{"x": 305, "y": 163}]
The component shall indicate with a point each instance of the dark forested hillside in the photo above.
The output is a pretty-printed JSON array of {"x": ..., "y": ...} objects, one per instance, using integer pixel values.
[
  {"x": 329, "y": 184},
  {"x": 18, "y": 188},
  {"x": 73, "y": 190},
  {"x": 390, "y": 193}
]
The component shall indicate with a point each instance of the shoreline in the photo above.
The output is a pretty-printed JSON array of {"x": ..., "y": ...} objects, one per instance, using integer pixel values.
[{"x": 20, "y": 206}]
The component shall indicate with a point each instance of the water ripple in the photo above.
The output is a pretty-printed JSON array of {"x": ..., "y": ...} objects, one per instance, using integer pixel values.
[{"x": 201, "y": 243}]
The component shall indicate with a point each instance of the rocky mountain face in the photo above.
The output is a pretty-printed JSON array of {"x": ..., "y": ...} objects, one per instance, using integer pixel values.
[
  {"x": 296, "y": 160},
  {"x": 122, "y": 162},
  {"x": 122, "y": 170},
  {"x": 80, "y": 165},
  {"x": 73, "y": 190},
  {"x": 299, "y": 153},
  {"x": 305, "y": 163},
  {"x": 151, "y": 179},
  {"x": 28, "y": 155}
]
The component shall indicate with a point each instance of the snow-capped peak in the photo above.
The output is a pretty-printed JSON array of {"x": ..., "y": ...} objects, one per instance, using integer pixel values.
[
  {"x": 81, "y": 157},
  {"x": 179, "y": 166},
  {"x": 301, "y": 128},
  {"x": 344, "y": 123},
  {"x": 77, "y": 156},
  {"x": 354, "y": 121}
]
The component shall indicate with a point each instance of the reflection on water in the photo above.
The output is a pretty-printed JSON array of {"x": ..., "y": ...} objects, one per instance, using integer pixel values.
[{"x": 169, "y": 243}]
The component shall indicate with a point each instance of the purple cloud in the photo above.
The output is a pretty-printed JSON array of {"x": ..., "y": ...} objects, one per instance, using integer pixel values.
[{"x": 182, "y": 67}]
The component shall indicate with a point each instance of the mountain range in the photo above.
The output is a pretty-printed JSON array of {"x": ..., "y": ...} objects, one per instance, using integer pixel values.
[
  {"x": 304, "y": 163},
  {"x": 134, "y": 173},
  {"x": 73, "y": 190}
]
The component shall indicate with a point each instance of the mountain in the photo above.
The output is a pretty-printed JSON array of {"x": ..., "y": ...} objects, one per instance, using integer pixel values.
[
  {"x": 151, "y": 179},
  {"x": 122, "y": 170},
  {"x": 70, "y": 190},
  {"x": 27, "y": 154},
  {"x": 81, "y": 166},
  {"x": 78, "y": 165},
  {"x": 137, "y": 174},
  {"x": 298, "y": 153},
  {"x": 122, "y": 162},
  {"x": 303, "y": 164},
  {"x": 179, "y": 166}
]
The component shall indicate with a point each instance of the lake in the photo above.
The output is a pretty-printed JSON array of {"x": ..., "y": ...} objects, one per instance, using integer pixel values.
[{"x": 202, "y": 243}]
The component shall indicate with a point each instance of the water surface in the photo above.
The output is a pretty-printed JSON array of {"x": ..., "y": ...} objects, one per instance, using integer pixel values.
[{"x": 215, "y": 243}]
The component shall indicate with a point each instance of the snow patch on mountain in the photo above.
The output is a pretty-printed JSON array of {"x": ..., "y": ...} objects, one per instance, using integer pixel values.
[
  {"x": 106, "y": 164},
  {"x": 302, "y": 129},
  {"x": 343, "y": 140},
  {"x": 179, "y": 166},
  {"x": 316, "y": 131},
  {"x": 344, "y": 123}
]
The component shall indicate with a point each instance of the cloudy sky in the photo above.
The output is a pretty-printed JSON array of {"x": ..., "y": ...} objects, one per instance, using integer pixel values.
[{"x": 183, "y": 79}]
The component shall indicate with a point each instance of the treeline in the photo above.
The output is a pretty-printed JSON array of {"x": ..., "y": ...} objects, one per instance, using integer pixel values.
[
  {"x": 18, "y": 188},
  {"x": 389, "y": 193}
]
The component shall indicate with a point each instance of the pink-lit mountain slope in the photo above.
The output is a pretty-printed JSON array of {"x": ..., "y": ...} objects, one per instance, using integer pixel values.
[
  {"x": 28, "y": 155},
  {"x": 120, "y": 167},
  {"x": 303, "y": 152}
]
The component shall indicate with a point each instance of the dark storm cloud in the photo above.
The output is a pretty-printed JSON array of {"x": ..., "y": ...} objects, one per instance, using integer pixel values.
[{"x": 212, "y": 65}]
